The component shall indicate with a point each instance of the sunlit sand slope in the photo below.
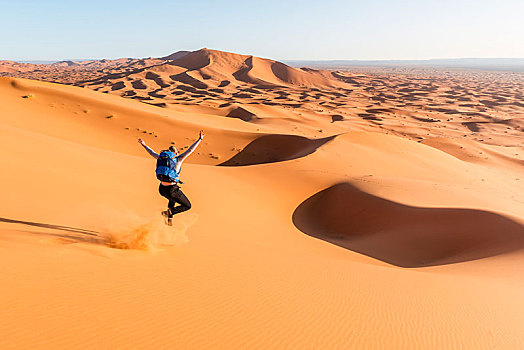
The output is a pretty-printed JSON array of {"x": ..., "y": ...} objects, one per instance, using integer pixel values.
[{"x": 348, "y": 240}]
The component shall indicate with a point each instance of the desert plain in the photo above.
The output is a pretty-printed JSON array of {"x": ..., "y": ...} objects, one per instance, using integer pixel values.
[{"x": 331, "y": 209}]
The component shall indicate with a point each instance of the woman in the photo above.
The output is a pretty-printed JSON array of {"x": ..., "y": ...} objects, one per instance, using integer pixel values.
[{"x": 169, "y": 164}]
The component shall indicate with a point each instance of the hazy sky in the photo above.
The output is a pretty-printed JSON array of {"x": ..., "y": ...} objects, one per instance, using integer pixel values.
[{"x": 307, "y": 29}]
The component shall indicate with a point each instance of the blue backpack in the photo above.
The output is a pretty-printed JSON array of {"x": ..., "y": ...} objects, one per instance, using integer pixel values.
[{"x": 165, "y": 167}]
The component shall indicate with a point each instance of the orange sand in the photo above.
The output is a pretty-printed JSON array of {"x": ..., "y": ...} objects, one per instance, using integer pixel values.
[{"x": 298, "y": 239}]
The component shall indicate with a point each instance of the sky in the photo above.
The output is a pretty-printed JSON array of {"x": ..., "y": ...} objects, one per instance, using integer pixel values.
[{"x": 282, "y": 30}]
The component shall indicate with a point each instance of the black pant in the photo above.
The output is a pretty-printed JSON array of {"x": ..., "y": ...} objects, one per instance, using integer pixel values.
[{"x": 175, "y": 195}]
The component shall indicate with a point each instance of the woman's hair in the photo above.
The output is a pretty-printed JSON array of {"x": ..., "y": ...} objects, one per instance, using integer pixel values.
[{"x": 173, "y": 149}]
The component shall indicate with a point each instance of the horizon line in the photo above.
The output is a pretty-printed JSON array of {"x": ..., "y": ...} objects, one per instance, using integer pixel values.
[{"x": 50, "y": 61}]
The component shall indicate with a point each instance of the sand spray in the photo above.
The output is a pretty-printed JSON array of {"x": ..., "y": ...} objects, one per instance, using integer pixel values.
[{"x": 130, "y": 231}]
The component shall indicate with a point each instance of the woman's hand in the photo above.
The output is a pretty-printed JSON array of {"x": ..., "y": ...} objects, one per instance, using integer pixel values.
[{"x": 201, "y": 134}]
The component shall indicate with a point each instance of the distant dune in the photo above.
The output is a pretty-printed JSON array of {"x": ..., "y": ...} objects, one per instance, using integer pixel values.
[{"x": 257, "y": 90}]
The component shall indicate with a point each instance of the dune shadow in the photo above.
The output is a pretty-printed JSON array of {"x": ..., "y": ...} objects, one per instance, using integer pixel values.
[
  {"x": 337, "y": 118},
  {"x": 425, "y": 120},
  {"x": 242, "y": 114},
  {"x": 129, "y": 93},
  {"x": 80, "y": 234},
  {"x": 369, "y": 116},
  {"x": 472, "y": 126},
  {"x": 118, "y": 85},
  {"x": 157, "y": 79},
  {"x": 193, "y": 60},
  {"x": 490, "y": 103},
  {"x": 402, "y": 235},
  {"x": 445, "y": 110},
  {"x": 189, "y": 80},
  {"x": 379, "y": 110},
  {"x": 138, "y": 84},
  {"x": 275, "y": 148},
  {"x": 242, "y": 95},
  {"x": 156, "y": 94},
  {"x": 157, "y": 104}
]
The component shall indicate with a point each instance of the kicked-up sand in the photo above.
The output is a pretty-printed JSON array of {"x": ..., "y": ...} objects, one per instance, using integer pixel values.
[{"x": 330, "y": 209}]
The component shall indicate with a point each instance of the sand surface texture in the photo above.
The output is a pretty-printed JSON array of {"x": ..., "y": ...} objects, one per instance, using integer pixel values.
[{"x": 330, "y": 210}]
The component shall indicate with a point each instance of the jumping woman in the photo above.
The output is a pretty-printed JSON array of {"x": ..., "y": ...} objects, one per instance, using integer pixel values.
[{"x": 168, "y": 167}]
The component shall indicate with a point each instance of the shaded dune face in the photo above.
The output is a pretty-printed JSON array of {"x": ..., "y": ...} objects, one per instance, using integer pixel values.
[
  {"x": 194, "y": 60},
  {"x": 242, "y": 114},
  {"x": 276, "y": 148},
  {"x": 403, "y": 235}
]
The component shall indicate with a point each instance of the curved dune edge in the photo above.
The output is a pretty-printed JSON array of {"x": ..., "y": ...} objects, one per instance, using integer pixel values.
[
  {"x": 275, "y": 148},
  {"x": 403, "y": 235},
  {"x": 475, "y": 152}
]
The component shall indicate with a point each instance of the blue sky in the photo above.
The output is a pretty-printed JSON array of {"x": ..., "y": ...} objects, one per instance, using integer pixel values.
[{"x": 284, "y": 30}]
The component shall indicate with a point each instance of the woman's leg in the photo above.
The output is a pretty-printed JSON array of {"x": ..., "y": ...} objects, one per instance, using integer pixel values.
[
  {"x": 166, "y": 191},
  {"x": 179, "y": 197}
]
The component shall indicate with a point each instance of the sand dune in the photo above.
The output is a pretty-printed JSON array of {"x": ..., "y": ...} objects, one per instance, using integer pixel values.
[
  {"x": 403, "y": 235},
  {"x": 480, "y": 106},
  {"x": 275, "y": 148},
  {"x": 329, "y": 210}
]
